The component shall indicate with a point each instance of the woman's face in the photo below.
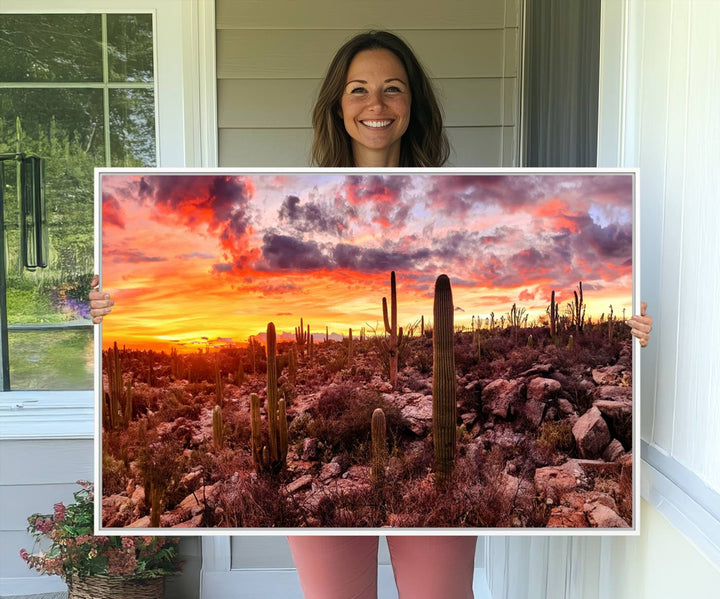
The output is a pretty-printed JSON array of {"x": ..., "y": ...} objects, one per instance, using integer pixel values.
[{"x": 375, "y": 107}]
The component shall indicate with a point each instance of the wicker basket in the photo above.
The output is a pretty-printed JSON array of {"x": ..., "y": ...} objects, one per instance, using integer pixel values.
[{"x": 116, "y": 587}]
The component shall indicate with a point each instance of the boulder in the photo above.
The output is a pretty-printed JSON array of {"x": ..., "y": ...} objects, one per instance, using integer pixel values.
[
  {"x": 418, "y": 414},
  {"x": 609, "y": 375},
  {"x": 601, "y": 516},
  {"x": 330, "y": 470},
  {"x": 309, "y": 450},
  {"x": 614, "y": 393},
  {"x": 565, "y": 406},
  {"x": 566, "y": 517},
  {"x": 552, "y": 482},
  {"x": 296, "y": 485},
  {"x": 615, "y": 410},
  {"x": 591, "y": 433},
  {"x": 542, "y": 389},
  {"x": 613, "y": 451},
  {"x": 498, "y": 396},
  {"x": 534, "y": 411}
]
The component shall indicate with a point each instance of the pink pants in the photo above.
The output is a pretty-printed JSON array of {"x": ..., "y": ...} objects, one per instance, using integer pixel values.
[{"x": 346, "y": 567}]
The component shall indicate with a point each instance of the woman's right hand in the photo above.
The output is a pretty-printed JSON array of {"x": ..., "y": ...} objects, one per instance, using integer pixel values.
[{"x": 100, "y": 302}]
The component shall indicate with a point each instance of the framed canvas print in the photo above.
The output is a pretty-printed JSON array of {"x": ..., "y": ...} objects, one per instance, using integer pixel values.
[{"x": 324, "y": 350}]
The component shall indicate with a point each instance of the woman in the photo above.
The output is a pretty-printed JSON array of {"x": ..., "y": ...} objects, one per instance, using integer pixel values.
[{"x": 377, "y": 108}]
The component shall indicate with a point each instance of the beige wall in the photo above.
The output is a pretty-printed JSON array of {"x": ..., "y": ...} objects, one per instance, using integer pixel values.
[
  {"x": 660, "y": 563},
  {"x": 271, "y": 57}
]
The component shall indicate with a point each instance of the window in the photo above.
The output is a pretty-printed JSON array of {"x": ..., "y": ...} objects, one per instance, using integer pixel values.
[{"x": 78, "y": 91}]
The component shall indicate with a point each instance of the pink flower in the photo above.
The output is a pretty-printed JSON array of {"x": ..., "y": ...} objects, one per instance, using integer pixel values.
[
  {"x": 59, "y": 509},
  {"x": 24, "y": 555},
  {"x": 121, "y": 562},
  {"x": 128, "y": 543},
  {"x": 44, "y": 526}
]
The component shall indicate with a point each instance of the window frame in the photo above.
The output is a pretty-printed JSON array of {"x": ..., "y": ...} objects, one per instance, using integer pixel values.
[{"x": 184, "y": 78}]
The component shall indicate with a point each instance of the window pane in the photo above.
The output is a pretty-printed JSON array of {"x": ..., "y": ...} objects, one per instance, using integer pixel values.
[
  {"x": 52, "y": 360},
  {"x": 66, "y": 127},
  {"x": 130, "y": 47},
  {"x": 132, "y": 127},
  {"x": 50, "y": 48}
]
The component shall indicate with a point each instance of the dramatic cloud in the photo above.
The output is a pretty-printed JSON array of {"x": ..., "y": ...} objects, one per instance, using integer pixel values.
[
  {"x": 369, "y": 260},
  {"x": 312, "y": 216},
  {"x": 383, "y": 195},
  {"x": 112, "y": 214},
  {"x": 218, "y": 206},
  {"x": 281, "y": 252}
]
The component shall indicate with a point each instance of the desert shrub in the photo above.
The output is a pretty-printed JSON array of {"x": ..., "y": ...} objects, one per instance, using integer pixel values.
[
  {"x": 413, "y": 381},
  {"x": 556, "y": 436},
  {"x": 238, "y": 426},
  {"x": 521, "y": 359},
  {"x": 114, "y": 475},
  {"x": 412, "y": 463},
  {"x": 258, "y": 500},
  {"x": 419, "y": 355},
  {"x": 297, "y": 429},
  {"x": 466, "y": 353},
  {"x": 344, "y": 413},
  {"x": 162, "y": 465}
]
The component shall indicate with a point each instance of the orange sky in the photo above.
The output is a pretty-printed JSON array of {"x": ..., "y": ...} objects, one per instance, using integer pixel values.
[{"x": 198, "y": 259}]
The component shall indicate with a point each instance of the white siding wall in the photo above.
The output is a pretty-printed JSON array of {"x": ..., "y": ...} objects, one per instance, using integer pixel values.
[
  {"x": 271, "y": 57},
  {"x": 660, "y": 86},
  {"x": 35, "y": 474}
]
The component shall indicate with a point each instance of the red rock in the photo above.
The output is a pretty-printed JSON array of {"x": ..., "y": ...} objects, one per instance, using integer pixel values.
[
  {"x": 601, "y": 516},
  {"x": 567, "y": 517},
  {"x": 298, "y": 484},
  {"x": 498, "y": 396},
  {"x": 591, "y": 433},
  {"x": 552, "y": 482},
  {"x": 542, "y": 389}
]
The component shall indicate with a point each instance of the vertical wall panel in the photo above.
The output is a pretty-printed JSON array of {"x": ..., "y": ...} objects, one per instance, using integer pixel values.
[
  {"x": 652, "y": 116},
  {"x": 697, "y": 413},
  {"x": 672, "y": 233}
]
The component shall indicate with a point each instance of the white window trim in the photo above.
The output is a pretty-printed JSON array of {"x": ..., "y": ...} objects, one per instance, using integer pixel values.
[{"x": 186, "y": 124}]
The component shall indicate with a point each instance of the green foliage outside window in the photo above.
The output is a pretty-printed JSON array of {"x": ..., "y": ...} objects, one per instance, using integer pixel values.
[{"x": 64, "y": 85}]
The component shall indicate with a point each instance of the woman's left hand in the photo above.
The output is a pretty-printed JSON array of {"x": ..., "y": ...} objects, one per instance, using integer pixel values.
[{"x": 640, "y": 326}]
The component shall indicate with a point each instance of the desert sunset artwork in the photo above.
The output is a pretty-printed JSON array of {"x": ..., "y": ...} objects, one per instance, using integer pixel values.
[{"x": 311, "y": 349}]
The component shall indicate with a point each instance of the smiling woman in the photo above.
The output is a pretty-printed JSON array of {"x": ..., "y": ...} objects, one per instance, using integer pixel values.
[
  {"x": 375, "y": 107},
  {"x": 376, "y": 99}
]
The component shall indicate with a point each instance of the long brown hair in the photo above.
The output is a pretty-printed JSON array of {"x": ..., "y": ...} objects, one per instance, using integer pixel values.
[{"x": 423, "y": 144}]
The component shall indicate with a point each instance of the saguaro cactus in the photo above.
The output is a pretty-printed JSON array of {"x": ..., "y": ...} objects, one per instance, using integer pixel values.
[
  {"x": 272, "y": 392},
  {"x": 350, "y": 348},
  {"x": 579, "y": 309},
  {"x": 255, "y": 431},
  {"x": 301, "y": 336},
  {"x": 119, "y": 404},
  {"x": 392, "y": 329},
  {"x": 282, "y": 431},
  {"x": 219, "y": 385},
  {"x": 444, "y": 404},
  {"x": 218, "y": 437},
  {"x": 378, "y": 435},
  {"x": 554, "y": 317}
]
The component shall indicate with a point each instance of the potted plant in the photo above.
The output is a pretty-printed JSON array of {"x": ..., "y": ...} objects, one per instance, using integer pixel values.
[{"x": 98, "y": 567}]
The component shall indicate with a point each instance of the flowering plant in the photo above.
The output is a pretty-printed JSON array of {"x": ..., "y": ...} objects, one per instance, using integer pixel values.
[{"x": 74, "y": 551}]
